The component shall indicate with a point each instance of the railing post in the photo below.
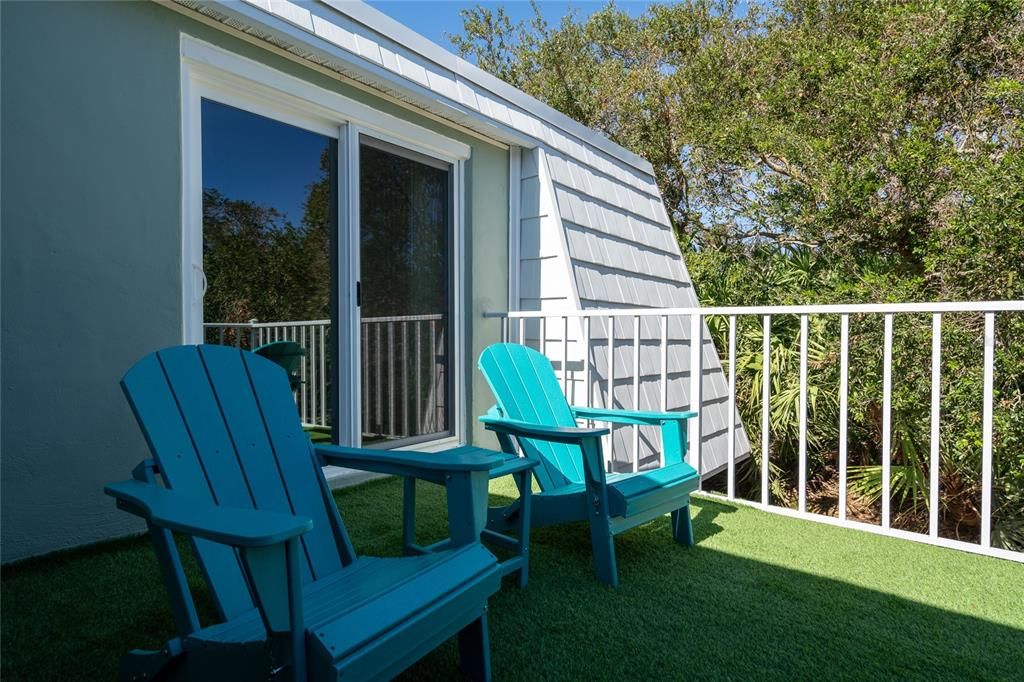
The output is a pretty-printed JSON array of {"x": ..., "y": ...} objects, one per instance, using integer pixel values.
[
  {"x": 565, "y": 356},
  {"x": 731, "y": 447},
  {"x": 610, "y": 402},
  {"x": 586, "y": 362},
  {"x": 696, "y": 381},
  {"x": 933, "y": 462},
  {"x": 802, "y": 475},
  {"x": 766, "y": 390},
  {"x": 664, "y": 378},
  {"x": 636, "y": 391},
  {"x": 986, "y": 432},
  {"x": 887, "y": 421},
  {"x": 844, "y": 389}
]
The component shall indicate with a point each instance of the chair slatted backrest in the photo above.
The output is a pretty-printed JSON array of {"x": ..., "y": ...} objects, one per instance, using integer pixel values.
[
  {"x": 223, "y": 426},
  {"x": 526, "y": 388}
]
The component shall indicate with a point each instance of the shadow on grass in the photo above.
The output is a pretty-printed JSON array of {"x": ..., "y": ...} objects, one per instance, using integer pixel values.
[{"x": 732, "y": 607}]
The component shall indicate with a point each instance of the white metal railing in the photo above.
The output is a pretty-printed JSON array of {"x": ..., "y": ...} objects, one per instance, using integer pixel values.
[
  {"x": 576, "y": 329},
  {"x": 403, "y": 368}
]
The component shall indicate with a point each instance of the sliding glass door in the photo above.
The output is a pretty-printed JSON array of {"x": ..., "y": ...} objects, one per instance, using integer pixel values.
[
  {"x": 331, "y": 252},
  {"x": 405, "y": 257}
]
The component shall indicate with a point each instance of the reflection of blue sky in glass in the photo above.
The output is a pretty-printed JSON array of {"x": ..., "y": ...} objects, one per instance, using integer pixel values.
[{"x": 257, "y": 159}]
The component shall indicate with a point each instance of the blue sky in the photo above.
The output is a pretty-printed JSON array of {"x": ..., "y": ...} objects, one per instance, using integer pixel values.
[{"x": 435, "y": 18}]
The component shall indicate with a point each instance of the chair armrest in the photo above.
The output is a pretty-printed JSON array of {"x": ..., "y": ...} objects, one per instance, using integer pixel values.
[
  {"x": 554, "y": 434},
  {"x": 184, "y": 513},
  {"x": 630, "y": 416},
  {"x": 407, "y": 462}
]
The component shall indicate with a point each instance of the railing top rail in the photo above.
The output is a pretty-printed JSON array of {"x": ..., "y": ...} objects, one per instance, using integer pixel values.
[
  {"x": 302, "y": 323},
  {"x": 832, "y": 309},
  {"x": 263, "y": 325}
]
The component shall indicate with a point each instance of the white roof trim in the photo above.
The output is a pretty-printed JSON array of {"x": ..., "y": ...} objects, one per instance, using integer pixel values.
[
  {"x": 357, "y": 39},
  {"x": 381, "y": 23}
]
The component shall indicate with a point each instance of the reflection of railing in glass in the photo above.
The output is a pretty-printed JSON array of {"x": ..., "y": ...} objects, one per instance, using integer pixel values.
[
  {"x": 404, "y": 376},
  {"x": 404, "y": 363}
]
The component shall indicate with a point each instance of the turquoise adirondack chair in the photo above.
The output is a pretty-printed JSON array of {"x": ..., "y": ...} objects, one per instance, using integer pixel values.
[
  {"x": 242, "y": 480},
  {"x": 574, "y": 486}
]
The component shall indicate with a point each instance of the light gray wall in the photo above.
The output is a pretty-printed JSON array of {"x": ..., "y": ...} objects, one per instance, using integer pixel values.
[{"x": 91, "y": 233}]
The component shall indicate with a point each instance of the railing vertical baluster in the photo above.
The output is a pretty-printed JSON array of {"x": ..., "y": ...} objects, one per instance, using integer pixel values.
[
  {"x": 419, "y": 378},
  {"x": 303, "y": 373},
  {"x": 314, "y": 373},
  {"x": 664, "y": 379},
  {"x": 766, "y": 392},
  {"x": 802, "y": 476},
  {"x": 610, "y": 401},
  {"x": 323, "y": 375},
  {"x": 696, "y": 381},
  {"x": 542, "y": 344},
  {"x": 391, "y": 378},
  {"x": 522, "y": 331},
  {"x": 844, "y": 389},
  {"x": 986, "y": 432},
  {"x": 379, "y": 384},
  {"x": 505, "y": 323},
  {"x": 405, "y": 378},
  {"x": 220, "y": 336},
  {"x": 731, "y": 446},
  {"x": 933, "y": 460},
  {"x": 887, "y": 421},
  {"x": 565, "y": 356},
  {"x": 365, "y": 332},
  {"x": 432, "y": 364},
  {"x": 636, "y": 390},
  {"x": 586, "y": 363}
]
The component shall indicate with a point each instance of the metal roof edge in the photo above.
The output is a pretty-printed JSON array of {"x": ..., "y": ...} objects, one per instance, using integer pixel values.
[{"x": 395, "y": 31}]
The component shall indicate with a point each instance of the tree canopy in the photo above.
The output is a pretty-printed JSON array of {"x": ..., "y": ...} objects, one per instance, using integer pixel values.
[{"x": 884, "y": 139}]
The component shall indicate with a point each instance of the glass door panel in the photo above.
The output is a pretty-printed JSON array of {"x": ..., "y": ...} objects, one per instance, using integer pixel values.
[
  {"x": 405, "y": 247},
  {"x": 269, "y": 229}
]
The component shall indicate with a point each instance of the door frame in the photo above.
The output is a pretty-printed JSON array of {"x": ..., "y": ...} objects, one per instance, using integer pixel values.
[{"x": 213, "y": 73}]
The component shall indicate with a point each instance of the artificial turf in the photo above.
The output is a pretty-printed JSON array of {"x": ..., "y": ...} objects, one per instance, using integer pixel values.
[{"x": 759, "y": 597}]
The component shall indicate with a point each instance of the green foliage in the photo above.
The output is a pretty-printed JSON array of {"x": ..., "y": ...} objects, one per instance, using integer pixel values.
[{"x": 820, "y": 151}]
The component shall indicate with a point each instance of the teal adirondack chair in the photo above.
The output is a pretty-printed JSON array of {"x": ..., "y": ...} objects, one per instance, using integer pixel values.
[
  {"x": 574, "y": 486},
  {"x": 242, "y": 480}
]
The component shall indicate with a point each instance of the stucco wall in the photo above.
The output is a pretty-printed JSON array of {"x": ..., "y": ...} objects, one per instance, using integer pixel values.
[{"x": 91, "y": 233}]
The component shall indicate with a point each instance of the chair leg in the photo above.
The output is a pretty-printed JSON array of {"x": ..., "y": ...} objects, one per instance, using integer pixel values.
[
  {"x": 475, "y": 650},
  {"x": 682, "y": 527},
  {"x": 408, "y": 514},
  {"x": 603, "y": 543},
  {"x": 524, "y": 481}
]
